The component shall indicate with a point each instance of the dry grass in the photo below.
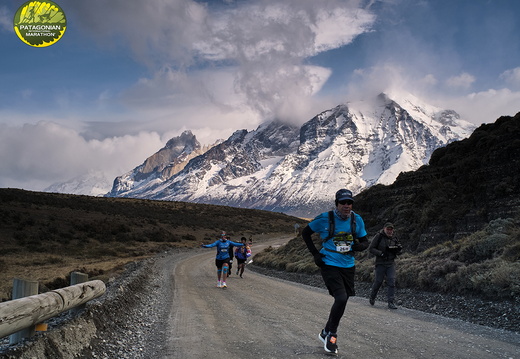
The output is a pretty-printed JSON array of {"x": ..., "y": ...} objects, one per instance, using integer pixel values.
[
  {"x": 485, "y": 264},
  {"x": 44, "y": 236}
]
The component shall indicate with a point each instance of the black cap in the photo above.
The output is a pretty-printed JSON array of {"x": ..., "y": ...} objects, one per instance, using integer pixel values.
[{"x": 344, "y": 194}]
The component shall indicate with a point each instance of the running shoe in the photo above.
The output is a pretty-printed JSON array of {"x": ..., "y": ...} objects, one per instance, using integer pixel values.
[
  {"x": 323, "y": 336},
  {"x": 224, "y": 285},
  {"x": 329, "y": 342},
  {"x": 219, "y": 284}
]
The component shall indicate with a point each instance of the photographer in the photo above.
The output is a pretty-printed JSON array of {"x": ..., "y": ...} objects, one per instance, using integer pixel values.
[{"x": 385, "y": 246}]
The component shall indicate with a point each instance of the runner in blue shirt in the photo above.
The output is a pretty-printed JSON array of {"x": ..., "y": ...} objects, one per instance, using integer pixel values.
[
  {"x": 223, "y": 258},
  {"x": 342, "y": 232}
]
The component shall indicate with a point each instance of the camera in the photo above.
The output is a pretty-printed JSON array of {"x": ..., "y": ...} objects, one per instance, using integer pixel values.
[{"x": 395, "y": 247}]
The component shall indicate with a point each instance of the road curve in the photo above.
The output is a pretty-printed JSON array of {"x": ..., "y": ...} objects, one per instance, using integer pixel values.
[{"x": 264, "y": 317}]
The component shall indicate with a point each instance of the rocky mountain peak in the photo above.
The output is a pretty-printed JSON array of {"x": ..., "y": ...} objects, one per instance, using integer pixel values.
[{"x": 292, "y": 169}]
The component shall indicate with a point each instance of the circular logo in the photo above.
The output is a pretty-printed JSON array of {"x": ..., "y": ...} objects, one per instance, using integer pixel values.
[{"x": 40, "y": 23}]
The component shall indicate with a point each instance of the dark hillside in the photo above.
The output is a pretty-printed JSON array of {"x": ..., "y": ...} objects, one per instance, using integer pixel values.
[
  {"x": 466, "y": 184},
  {"x": 458, "y": 218},
  {"x": 45, "y": 236}
]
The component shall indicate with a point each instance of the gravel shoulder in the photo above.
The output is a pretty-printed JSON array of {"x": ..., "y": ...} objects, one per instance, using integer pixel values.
[
  {"x": 494, "y": 314},
  {"x": 132, "y": 319}
]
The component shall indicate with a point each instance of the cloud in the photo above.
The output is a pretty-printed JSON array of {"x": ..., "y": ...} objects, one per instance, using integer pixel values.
[
  {"x": 463, "y": 80},
  {"x": 155, "y": 32},
  {"x": 36, "y": 155},
  {"x": 476, "y": 107},
  {"x": 512, "y": 77},
  {"x": 486, "y": 106},
  {"x": 268, "y": 42},
  {"x": 260, "y": 45},
  {"x": 371, "y": 81},
  {"x": 6, "y": 20},
  {"x": 429, "y": 80}
]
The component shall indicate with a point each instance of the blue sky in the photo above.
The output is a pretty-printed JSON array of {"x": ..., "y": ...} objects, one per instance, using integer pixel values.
[{"x": 129, "y": 74}]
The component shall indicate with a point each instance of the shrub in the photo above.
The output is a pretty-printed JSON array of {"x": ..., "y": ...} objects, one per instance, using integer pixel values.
[
  {"x": 496, "y": 280},
  {"x": 512, "y": 253},
  {"x": 55, "y": 260},
  {"x": 189, "y": 237}
]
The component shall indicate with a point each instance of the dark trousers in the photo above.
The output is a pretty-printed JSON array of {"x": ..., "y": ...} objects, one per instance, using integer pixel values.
[
  {"x": 382, "y": 271},
  {"x": 340, "y": 283}
]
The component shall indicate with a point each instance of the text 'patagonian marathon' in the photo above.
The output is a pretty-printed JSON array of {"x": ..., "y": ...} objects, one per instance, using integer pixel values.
[{"x": 40, "y": 27}]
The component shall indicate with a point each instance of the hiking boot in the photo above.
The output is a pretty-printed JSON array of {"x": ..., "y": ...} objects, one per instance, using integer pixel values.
[
  {"x": 372, "y": 301},
  {"x": 391, "y": 305}
]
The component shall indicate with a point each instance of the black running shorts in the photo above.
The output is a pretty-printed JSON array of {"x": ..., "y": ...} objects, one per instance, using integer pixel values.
[
  {"x": 220, "y": 262},
  {"x": 339, "y": 279}
]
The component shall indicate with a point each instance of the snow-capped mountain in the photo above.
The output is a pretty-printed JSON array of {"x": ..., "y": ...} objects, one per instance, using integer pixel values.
[
  {"x": 297, "y": 170},
  {"x": 94, "y": 183},
  {"x": 160, "y": 166}
]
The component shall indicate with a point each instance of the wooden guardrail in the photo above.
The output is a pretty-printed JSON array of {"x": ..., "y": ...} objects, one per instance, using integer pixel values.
[{"x": 18, "y": 314}]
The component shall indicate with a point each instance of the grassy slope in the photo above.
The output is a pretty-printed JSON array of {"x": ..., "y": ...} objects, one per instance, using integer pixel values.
[
  {"x": 45, "y": 236},
  {"x": 485, "y": 263}
]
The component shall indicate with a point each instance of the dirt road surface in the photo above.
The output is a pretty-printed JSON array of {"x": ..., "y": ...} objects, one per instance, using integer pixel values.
[{"x": 264, "y": 317}]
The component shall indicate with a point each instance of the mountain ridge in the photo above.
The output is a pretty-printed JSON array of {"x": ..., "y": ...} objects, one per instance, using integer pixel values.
[
  {"x": 465, "y": 185},
  {"x": 282, "y": 167}
]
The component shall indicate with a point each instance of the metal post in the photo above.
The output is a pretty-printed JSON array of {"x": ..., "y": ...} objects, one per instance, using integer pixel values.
[
  {"x": 23, "y": 288},
  {"x": 76, "y": 278}
]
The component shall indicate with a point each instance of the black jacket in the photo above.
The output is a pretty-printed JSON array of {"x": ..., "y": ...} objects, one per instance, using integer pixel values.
[{"x": 385, "y": 249}]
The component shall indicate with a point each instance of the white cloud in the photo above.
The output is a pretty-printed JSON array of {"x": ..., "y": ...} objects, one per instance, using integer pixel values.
[
  {"x": 477, "y": 107},
  {"x": 260, "y": 45},
  {"x": 35, "y": 156},
  {"x": 6, "y": 20},
  {"x": 463, "y": 81},
  {"x": 512, "y": 77},
  {"x": 486, "y": 106},
  {"x": 429, "y": 80},
  {"x": 337, "y": 27},
  {"x": 369, "y": 82},
  {"x": 155, "y": 32},
  {"x": 268, "y": 42}
]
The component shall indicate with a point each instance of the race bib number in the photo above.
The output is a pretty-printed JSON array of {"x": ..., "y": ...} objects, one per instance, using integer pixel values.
[
  {"x": 343, "y": 247},
  {"x": 343, "y": 242}
]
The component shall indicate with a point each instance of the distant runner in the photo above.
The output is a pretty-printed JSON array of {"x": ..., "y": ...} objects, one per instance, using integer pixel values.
[
  {"x": 223, "y": 258},
  {"x": 241, "y": 254},
  {"x": 231, "y": 251}
]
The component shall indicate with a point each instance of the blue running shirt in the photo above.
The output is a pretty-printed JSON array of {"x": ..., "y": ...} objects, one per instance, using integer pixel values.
[
  {"x": 320, "y": 225},
  {"x": 222, "y": 247}
]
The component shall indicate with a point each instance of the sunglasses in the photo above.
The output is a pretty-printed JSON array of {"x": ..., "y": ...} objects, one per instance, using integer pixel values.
[{"x": 346, "y": 201}]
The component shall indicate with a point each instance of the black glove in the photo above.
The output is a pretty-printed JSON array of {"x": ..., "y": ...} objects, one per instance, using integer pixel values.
[{"x": 318, "y": 259}]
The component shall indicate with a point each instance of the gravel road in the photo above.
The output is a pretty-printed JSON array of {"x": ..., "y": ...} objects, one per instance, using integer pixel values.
[{"x": 170, "y": 307}]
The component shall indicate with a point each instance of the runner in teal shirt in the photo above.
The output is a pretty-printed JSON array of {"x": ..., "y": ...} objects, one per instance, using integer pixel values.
[{"x": 341, "y": 235}]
